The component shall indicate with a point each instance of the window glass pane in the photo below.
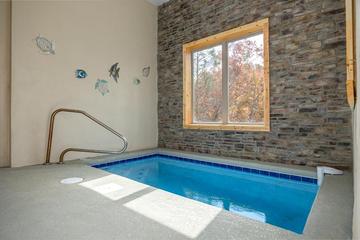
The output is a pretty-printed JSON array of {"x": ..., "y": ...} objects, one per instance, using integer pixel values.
[
  {"x": 207, "y": 85},
  {"x": 246, "y": 80}
]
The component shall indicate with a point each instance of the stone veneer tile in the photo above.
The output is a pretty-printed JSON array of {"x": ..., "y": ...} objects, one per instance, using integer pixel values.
[{"x": 310, "y": 119}]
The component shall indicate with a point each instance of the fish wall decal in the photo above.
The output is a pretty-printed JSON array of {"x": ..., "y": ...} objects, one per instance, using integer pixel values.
[
  {"x": 46, "y": 46},
  {"x": 146, "y": 71},
  {"x": 114, "y": 71},
  {"x": 136, "y": 81},
  {"x": 79, "y": 73}
]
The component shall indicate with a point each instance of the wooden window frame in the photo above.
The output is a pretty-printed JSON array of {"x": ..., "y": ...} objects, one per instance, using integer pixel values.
[{"x": 261, "y": 26}]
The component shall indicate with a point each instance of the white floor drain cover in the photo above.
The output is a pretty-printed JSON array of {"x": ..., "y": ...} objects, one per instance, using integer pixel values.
[{"x": 72, "y": 180}]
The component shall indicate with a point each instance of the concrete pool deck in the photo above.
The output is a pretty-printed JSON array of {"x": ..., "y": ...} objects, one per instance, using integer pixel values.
[{"x": 34, "y": 205}]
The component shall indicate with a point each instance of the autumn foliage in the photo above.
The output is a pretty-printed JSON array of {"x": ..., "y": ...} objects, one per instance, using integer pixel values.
[{"x": 245, "y": 83}]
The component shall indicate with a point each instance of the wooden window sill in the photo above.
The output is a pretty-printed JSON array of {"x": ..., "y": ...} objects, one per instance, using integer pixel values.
[{"x": 228, "y": 127}]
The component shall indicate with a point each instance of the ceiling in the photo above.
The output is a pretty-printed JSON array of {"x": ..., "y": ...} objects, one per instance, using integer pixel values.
[{"x": 157, "y": 2}]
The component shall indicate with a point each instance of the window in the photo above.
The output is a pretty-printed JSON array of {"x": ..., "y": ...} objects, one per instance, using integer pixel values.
[{"x": 226, "y": 80}]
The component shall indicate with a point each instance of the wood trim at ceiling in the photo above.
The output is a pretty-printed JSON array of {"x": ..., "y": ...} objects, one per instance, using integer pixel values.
[{"x": 350, "y": 53}]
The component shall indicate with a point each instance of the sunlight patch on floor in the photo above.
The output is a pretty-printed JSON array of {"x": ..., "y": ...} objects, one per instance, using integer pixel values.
[
  {"x": 183, "y": 215},
  {"x": 113, "y": 186}
]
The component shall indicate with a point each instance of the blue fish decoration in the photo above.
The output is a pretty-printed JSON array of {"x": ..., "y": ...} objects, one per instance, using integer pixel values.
[{"x": 79, "y": 73}]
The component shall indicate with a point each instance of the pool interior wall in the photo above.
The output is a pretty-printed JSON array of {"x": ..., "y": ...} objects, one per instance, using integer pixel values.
[{"x": 279, "y": 199}]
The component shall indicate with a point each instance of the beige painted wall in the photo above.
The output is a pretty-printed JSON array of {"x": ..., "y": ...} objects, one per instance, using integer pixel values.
[
  {"x": 356, "y": 222},
  {"x": 5, "y": 32},
  {"x": 91, "y": 35}
]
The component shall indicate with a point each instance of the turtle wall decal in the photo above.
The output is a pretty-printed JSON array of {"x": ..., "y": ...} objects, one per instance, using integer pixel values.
[{"x": 102, "y": 86}]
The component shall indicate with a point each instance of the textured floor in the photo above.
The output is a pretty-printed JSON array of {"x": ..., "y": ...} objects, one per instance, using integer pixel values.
[{"x": 34, "y": 205}]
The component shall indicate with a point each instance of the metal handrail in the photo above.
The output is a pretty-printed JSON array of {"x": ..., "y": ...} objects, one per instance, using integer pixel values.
[{"x": 51, "y": 130}]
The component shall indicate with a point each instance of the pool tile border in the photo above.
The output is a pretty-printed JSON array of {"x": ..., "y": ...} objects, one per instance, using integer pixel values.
[{"x": 237, "y": 168}]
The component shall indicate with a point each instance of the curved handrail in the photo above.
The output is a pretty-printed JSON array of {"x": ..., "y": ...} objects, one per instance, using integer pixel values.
[{"x": 51, "y": 130}]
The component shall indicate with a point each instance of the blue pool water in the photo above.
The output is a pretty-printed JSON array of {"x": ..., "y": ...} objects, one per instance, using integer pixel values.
[{"x": 281, "y": 202}]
